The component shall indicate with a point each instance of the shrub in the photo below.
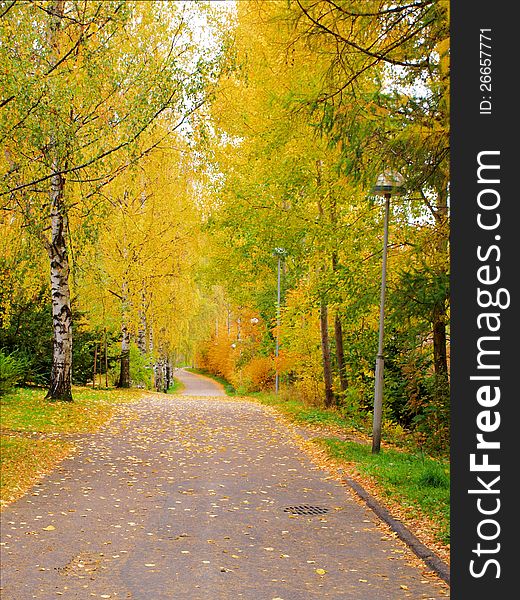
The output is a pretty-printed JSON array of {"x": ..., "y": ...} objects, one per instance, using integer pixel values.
[
  {"x": 141, "y": 370},
  {"x": 260, "y": 373},
  {"x": 12, "y": 370}
]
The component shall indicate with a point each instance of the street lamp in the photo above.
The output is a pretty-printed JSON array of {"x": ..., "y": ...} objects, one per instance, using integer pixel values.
[
  {"x": 387, "y": 183},
  {"x": 280, "y": 253}
]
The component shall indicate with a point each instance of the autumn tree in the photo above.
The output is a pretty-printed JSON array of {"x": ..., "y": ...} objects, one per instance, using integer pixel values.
[
  {"x": 324, "y": 96},
  {"x": 84, "y": 80},
  {"x": 388, "y": 78}
]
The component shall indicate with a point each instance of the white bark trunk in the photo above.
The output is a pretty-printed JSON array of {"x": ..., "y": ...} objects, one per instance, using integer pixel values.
[
  {"x": 124, "y": 374},
  {"x": 61, "y": 373}
]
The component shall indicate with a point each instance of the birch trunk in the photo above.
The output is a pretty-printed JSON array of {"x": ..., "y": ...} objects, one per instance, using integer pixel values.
[
  {"x": 124, "y": 373},
  {"x": 141, "y": 331},
  {"x": 168, "y": 375},
  {"x": 159, "y": 375},
  {"x": 150, "y": 350},
  {"x": 61, "y": 371}
]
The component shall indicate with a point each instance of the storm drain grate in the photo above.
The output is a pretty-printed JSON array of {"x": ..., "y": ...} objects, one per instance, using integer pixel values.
[{"x": 305, "y": 509}]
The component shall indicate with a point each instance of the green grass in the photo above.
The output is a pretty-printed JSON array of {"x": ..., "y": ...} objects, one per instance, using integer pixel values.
[
  {"x": 418, "y": 484},
  {"x": 228, "y": 388},
  {"x": 24, "y": 410},
  {"x": 176, "y": 386}
]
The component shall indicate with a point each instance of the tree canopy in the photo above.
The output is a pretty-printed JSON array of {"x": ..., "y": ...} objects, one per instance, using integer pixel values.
[{"x": 178, "y": 166}]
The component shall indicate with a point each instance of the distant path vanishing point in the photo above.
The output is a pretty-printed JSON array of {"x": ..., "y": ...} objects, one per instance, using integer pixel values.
[{"x": 198, "y": 385}]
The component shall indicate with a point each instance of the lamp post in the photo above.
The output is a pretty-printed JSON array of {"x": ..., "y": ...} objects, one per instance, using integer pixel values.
[
  {"x": 387, "y": 183},
  {"x": 280, "y": 253}
]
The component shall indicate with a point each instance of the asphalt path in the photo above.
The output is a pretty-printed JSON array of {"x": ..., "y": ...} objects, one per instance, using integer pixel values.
[
  {"x": 196, "y": 498},
  {"x": 198, "y": 385}
]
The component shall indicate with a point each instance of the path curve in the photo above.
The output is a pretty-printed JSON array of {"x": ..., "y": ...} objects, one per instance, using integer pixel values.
[{"x": 198, "y": 385}]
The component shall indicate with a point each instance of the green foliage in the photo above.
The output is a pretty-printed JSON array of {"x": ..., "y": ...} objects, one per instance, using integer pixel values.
[
  {"x": 434, "y": 476},
  {"x": 28, "y": 334},
  {"x": 12, "y": 370},
  {"x": 141, "y": 368},
  {"x": 176, "y": 386}
]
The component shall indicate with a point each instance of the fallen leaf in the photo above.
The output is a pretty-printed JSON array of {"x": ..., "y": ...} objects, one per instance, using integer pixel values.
[
  {"x": 321, "y": 571},
  {"x": 49, "y": 528}
]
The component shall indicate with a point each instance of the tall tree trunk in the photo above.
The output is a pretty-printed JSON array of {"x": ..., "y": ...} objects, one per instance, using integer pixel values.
[
  {"x": 325, "y": 351},
  {"x": 159, "y": 375},
  {"x": 440, "y": 360},
  {"x": 338, "y": 337},
  {"x": 150, "y": 350},
  {"x": 106, "y": 356},
  {"x": 61, "y": 371},
  {"x": 124, "y": 374},
  {"x": 141, "y": 331},
  {"x": 340, "y": 353},
  {"x": 324, "y": 312},
  {"x": 95, "y": 367},
  {"x": 168, "y": 375}
]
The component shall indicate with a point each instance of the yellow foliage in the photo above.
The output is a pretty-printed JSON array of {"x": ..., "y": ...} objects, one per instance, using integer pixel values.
[
  {"x": 260, "y": 372},
  {"x": 218, "y": 356}
]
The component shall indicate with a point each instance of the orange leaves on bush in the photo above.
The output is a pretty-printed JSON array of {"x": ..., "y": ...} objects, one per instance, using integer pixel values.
[{"x": 260, "y": 372}]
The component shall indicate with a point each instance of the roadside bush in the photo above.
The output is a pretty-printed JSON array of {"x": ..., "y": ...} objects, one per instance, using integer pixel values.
[
  {"x": 259, "y": 372},
  {"x": 12, "y": 370},
  {"x": 141, "y": 370}
]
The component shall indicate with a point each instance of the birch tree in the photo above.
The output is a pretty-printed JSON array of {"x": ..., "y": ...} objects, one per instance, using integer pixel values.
[{"x": 83, "y": 81}]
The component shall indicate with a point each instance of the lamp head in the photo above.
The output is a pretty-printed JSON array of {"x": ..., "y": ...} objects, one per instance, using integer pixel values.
[{"x": 388, "y": 182}]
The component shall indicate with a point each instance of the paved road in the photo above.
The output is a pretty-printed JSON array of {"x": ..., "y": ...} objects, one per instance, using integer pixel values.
[
  {"x": 186, "y": 498},
  {"x": 197, "y": 385}
]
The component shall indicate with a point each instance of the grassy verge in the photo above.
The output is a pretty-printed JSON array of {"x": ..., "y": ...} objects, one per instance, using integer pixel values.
[
  {"x": 24, "y": 460},
  {"x": 228, "y": 388},
  {"x": 415, "y": 487},
  {"x": 176, "y": 386},
  {"x": 304, "y": 414},
  {"x": 25, "y": 415}
]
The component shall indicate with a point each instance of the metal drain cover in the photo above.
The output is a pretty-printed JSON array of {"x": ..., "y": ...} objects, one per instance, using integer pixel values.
[{"x": 305, "y": 509}]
